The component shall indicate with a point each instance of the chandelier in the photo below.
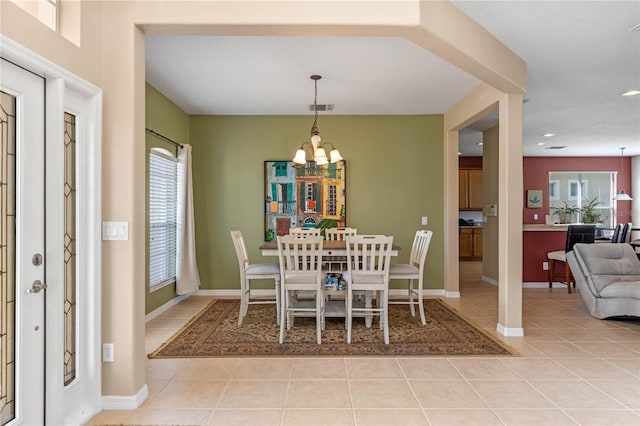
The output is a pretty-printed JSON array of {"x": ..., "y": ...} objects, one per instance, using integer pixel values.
[
  {"x": 315, "y": 147},
  {"x": 622, "y": 196}
]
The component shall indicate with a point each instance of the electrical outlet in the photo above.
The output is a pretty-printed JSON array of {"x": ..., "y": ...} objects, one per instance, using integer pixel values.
[
  {"x": 545, "y": 266},
  {"x": 107, "y": 352},
  {"x": 535, "y": 216},
  {"x": 425, "y": 220}
]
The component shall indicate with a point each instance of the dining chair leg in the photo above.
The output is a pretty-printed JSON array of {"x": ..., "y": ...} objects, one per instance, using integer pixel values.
[
  {"x": 567, "y": 275},
  {"x": 278, "y": 314},
  {"x": 319, "y": 323},
  {"x": 283, "y": 311},
  {"x": 385, "y": 316},
  {"x": 412, "y": 309},
  {"x": 421, "y": 303},
  {"x": 243, "y": 302},
  {"x": 349, "y": 318},
  {"x": 550, "y": 273}
]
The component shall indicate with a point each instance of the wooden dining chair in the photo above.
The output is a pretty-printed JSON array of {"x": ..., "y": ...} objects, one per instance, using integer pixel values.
[
  {"x": 301, "y": 271},
  {"x": 412, "y": 272},
  {"x": 255, "y": 271},
  {"x": 339, "y": 234},
  {"x": 368, "y": 259},
  {"x": 315, "y": 232},
  {"x": 575, "y": 234}
]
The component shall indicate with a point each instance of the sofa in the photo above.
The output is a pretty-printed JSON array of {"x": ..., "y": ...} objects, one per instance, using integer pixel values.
[{"x": 608, "y": 278}]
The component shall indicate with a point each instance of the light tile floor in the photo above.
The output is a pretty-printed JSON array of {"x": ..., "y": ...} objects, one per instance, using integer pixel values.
[{"x": 573, "y": 369}]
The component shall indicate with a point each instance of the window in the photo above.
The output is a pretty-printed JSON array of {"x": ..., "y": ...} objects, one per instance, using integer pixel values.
[
  {"x": 162, "y": 217},
  {"x": 578, "y": 188},
  {"x": 45, "y": 10}
]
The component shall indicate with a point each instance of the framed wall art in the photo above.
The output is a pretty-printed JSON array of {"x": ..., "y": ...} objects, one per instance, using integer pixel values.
[
  {"x": 303, "y": 196},
  {"x": 534, "y": 198}
]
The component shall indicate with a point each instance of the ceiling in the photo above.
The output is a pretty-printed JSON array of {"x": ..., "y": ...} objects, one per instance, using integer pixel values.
[{"x": 581, "y": 56}]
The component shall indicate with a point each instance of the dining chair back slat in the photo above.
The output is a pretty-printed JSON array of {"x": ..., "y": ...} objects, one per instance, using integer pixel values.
[
  {"x": 315, "y": 232},
  {"x": 339, "y": 234}
]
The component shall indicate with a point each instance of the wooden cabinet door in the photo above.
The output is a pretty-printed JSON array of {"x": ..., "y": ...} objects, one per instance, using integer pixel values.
[
  {"x": 463, "y": 180},
  {"x": 477, "y": 242},
  {"x": 474, "y": 189},
  {"x": 466, "y": 242}
]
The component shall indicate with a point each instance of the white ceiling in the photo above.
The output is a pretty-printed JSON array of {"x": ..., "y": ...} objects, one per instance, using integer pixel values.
[{"x": 580, "y": 58}]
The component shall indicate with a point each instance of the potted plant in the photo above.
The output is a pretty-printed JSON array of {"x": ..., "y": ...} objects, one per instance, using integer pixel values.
[
  {"x": 565, "y": 212},
  {"x": 588, "y": 212}
]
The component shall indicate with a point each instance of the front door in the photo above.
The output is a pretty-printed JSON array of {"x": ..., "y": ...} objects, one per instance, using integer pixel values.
[{"x": 22, "y": 247}]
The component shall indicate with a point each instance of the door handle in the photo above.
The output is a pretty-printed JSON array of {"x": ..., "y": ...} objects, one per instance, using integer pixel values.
[{"x": 37, "y": 287}]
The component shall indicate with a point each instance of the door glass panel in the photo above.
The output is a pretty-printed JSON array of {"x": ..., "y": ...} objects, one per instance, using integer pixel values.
[
  {"x": 7, "y": 256},
  {"x": 70, "y": 349}
]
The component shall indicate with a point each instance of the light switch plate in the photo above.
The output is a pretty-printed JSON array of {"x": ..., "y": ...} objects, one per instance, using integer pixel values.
[
  {"x": 425, "y": 220},
  {"x": 115, "y": 231}
]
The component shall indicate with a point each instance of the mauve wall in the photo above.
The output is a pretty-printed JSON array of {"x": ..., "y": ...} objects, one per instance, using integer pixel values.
[{"x": 536, "y": 176}]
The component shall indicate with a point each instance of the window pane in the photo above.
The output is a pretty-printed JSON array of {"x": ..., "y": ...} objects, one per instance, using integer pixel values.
[
  {"x": 162, "y": 218},
  {"x": 70, "y": 289}
]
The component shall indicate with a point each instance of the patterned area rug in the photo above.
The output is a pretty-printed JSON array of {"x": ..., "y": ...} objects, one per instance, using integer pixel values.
[{"x": 214, "y": 332}]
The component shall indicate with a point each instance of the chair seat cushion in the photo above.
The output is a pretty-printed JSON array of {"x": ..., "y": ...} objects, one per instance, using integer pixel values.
[
  {"x": 397, "y": 269},
  {"x": 557, "y": 255},
  {"x": 301, "y": 277},
  {"x": 262, "y": 269}
]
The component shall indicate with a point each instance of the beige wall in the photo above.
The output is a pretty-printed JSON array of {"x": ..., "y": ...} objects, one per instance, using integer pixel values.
[
  {"x": 111, "y": 55},
  {"x": 490, "y": 194}
]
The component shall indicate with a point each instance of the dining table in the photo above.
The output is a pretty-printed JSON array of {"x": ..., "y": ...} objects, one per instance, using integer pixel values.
[
  {"x": 329, "y": 248},
  {"x": 335, "y": 252}
]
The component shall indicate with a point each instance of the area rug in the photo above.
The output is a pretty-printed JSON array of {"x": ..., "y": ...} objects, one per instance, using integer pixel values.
[{"x": 214, "y": 332}]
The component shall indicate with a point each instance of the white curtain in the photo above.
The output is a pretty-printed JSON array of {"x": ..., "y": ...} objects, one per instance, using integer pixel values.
[{"x": 187, "y": 276}]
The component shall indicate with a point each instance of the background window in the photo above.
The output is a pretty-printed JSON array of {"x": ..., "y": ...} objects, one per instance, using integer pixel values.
[
  {"x": 162, "y": 217},
  {"x": 580, "y": 188}
]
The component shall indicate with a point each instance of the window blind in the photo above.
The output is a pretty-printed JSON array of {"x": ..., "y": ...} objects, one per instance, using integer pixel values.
[{"x": 162, "y": 218}]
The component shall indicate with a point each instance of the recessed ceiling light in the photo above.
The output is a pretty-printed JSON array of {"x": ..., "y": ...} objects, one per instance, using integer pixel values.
[
  {"x": 631, "y": 93},
  {"x": 480, "y": 143},
  {"x": 459, "y": 153},
  {"x": 548, "y": 135},
  {"x": 540, "y": 143}
]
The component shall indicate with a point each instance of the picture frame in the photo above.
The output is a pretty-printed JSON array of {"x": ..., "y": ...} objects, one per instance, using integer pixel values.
[
  {"x": 303, "y": 196},
  {"x": 534, "y": 198}
]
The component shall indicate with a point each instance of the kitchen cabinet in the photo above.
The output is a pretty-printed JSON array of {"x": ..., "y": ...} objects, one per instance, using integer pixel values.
[
  {"x": 470, "y": 189},
  {"x": 470, "y": 243}
]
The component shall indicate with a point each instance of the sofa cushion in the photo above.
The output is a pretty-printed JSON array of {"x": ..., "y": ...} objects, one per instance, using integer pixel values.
[
  {"x": 608, "y": 285},
  {"x": 607, "y": 259},
  {"x": 622, "y": 288}
]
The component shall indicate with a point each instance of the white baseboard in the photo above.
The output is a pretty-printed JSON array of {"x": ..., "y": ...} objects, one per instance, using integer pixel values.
[
  {"x": 510, "y": 332},
  {"x": 452, "y": 294},
  {"x": 122, "y": 402},
  {"x": 489, "y": 280},
  {"x": 159, "y": 310}
]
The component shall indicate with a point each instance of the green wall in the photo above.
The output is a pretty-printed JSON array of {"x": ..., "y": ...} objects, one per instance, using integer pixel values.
[
  {"x": 167, "y": 119},
  {"x": 394, "y": 172}
]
